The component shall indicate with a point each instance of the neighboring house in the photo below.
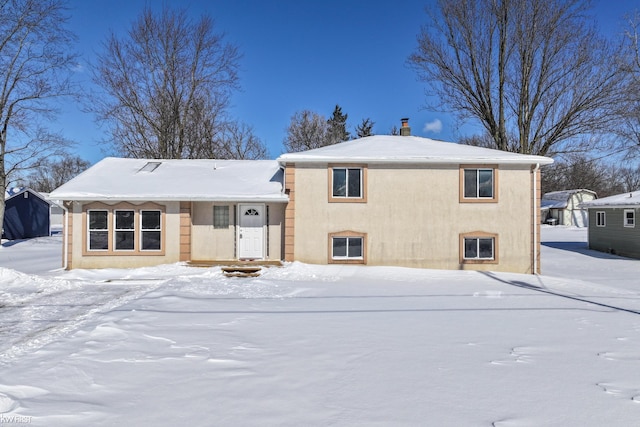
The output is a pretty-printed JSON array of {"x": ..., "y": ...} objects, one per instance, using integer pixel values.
[
  {"x": 563, "y": 207},
  {"x": 380, "y": 200},
  {"x": 26, "y": 215},
  {"x": 613, "y": 224}
]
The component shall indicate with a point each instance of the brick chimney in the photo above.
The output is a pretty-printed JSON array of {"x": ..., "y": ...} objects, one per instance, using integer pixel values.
[{"x": 405, "y": 130}]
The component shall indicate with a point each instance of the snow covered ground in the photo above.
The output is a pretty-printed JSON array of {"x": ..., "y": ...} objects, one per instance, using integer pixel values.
[{"x": 321, "y": 345}]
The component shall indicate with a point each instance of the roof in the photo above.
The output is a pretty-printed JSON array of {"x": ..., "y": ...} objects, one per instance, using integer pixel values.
[
  {"x": 19, "y": 191},
  {"x": 560, "y": 199},
  {"x": 631, "y": 199},
  {"x": 409, "y": 149},
  {"x": 177, "y": 180}
]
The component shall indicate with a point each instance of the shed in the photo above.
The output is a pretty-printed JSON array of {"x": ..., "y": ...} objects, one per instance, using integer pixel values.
[
  {"x": 613, "y": 224},
  {"x": 563, "y": 207},
  {"x": 26, "y": 215}
]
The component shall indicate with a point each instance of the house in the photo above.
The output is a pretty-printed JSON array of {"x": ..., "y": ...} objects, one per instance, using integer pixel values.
[
  {"x": 613, "y": 224},
  {"x": 379, "y": 200},
  {"x": 26, "y": 215},
  {"x": 138, "y": 212},
  {"x": 563, "y": 207}
]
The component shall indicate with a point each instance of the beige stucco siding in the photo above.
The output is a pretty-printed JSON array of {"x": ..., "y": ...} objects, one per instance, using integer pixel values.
[
  {"x": 171, "y": 241},
  {"x": 209, "y": 243},
  {"x": 413, "y": 217}
]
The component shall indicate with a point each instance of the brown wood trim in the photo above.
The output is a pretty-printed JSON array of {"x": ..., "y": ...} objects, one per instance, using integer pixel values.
[
  {"x": 480, "y": 234},
  {"x": 290, "y": 212},
  {"x": 185, "y": 231},
  {"x": 347, "y": 233},
  {"x": 496, "y": 186},
  {"x": 362, "y": 199},
  {"x": 123, "y": 206}
]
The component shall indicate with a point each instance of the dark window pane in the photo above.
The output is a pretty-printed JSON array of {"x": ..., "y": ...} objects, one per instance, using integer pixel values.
[
  {"x": 470, "y": 248},
  {"x": 355, "y": 247},
  {"x": 339, "y": 247},
  {"x": 470, "y": 183},
  {"x": 124, "y": 220},
  {"x": 485, "y": 183},
  {"x": 98, "y": 240},
  {"x": 97, "y": 220},
  {"x": 150, "y": 240},
  {"x": 339, "y": 182},
  {"x": 150, "y": 220},
  {"x": 124, "y": 240},
  {"x": 485, "y": 248},
  {"x": 354, "y": 183}
]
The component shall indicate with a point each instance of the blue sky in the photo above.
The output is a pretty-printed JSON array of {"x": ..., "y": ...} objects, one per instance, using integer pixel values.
[{"x": 298, "y": 55}]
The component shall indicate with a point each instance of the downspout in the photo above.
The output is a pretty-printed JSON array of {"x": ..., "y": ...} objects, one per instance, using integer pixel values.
[
  {"x": 535, "y": 218},
  {"x": 65, "y": 237}
]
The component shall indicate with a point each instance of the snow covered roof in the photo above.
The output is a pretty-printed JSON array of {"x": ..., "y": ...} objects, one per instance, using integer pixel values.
[
  {"x": 619, "y": 200},
  {"x": 565, "y": 194},
  {"x": 560, "y": 199},
  {"x": 553, "y": 204},
  {"x": 19, "y": 191},
  {"x": 177, "y": 180},
  {"x": 408, "y": 149}
]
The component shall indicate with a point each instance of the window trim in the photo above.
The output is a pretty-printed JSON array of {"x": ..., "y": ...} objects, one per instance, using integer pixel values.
[
  {"x": 346, "y": 260},
  {"x": 496, "y": 187},
  {"x": 115, "y": 230},
  {"x": 480, "y": 235},
  {"x": 363, "y": 183},
  {"x": 219, "y": 227},
  {"x": 602, "y": 223},
  {"x": 88, "y": 231},
  {"x": 111, "y": 209},
  {"x": 633, "y": 218},
  {"x": 142, "y": 230}
]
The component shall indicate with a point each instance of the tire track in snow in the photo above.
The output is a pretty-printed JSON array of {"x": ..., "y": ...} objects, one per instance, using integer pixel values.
[{"x": 43, "y": 317}]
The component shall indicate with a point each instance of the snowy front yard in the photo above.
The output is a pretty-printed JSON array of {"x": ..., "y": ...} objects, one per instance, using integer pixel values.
[{"x": 321, "y": 345}]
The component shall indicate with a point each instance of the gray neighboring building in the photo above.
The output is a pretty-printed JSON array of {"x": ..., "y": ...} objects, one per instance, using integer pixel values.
[
  {"x": 564, "y": 207},
  {"x": 613, "y": 224}
]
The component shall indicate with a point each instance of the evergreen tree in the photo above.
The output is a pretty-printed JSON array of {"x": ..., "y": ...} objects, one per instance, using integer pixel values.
[
  {"x": 337, "y": 127},
  {"x": 365, "y": 128}
]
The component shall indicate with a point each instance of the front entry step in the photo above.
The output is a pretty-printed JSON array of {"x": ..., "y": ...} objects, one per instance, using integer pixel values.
[{"x": 241, "y": 271}]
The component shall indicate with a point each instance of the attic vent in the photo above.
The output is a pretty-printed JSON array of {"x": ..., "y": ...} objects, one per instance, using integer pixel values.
[{"x": 150, "y": 167}]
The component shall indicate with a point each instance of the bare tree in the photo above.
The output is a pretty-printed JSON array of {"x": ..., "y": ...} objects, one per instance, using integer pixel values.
[
  {"x": 578, "y": 171},
  {"x": 35, "y": 68},
  {"x": 533, "y": 69},
  {"x": 629, "y": 111},
  {"x": 167, "y": 85},
  {"x": 239, "y": 142},
  {"x": 307, "y": 130},
  {"x": 52, "y": 173},
  {"x": 365, "y": 128}
]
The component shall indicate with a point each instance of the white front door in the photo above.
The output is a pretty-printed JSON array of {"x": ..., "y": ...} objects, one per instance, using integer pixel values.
[{"x": 251, "y": 232}]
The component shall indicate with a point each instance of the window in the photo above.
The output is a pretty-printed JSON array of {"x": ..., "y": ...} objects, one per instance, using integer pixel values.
[
  {"x": 629, "y": 218},
  {"x": 124, "y": 230},
  {"x": 347, "y": 247},
  {"x": 478, "y": 248},
  {"x": 98, "y": 230},
  {"x": 221, "y": 217},
  {"x": 347, "y": 184},
  {"x": 478, "y": 184},
  {"x": 150, "y": 231},
  {"x": 600, "y": 219}
]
